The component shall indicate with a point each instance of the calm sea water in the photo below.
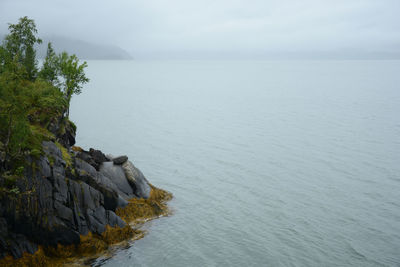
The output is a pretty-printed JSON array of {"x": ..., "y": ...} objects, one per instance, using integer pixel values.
[{"x": 271, "y": 163}]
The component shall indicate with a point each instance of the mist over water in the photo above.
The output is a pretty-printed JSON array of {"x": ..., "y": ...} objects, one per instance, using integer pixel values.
[{"x": 271, "y": 163}]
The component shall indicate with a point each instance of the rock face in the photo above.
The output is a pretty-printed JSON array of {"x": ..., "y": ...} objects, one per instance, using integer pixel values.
[{"x": 58, "y": 199}]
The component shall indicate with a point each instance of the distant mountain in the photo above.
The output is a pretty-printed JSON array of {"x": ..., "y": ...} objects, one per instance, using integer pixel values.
[{"x": 83, "y": 49}]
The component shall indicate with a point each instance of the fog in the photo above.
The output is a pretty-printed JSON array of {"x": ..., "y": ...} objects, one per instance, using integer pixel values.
[{"x": 221, "y": 28}]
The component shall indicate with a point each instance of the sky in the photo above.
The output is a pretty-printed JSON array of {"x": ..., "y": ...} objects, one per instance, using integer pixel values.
[{"x": 219, "y": 28}]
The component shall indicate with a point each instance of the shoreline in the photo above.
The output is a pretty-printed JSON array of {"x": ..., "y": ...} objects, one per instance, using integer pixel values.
[{"x": 93, "y": 246}]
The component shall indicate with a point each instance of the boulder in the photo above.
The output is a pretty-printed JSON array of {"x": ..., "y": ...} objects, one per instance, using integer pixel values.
[
  {"x": 119, "y": 160},
  {"x": 115, "y": 174},
  {"x": 136, "y": 180},
  {"x": 84, "y": 155},
  {"x": 97, "y": 156}
]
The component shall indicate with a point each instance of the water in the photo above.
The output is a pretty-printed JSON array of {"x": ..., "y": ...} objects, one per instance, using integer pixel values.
[{"x": 271, "y": 163}]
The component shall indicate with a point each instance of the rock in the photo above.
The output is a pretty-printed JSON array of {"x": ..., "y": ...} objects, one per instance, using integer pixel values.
[
  {"x": 50, "y": 149},
  {"x": 114, "y": 220},
  {"x": 15, "y": 244},
  {"x": 84, "y": 168},
  {"x": 64, "y": 132},
  {"x": 64, "y": 213},
  {"x": 98, "y": 156},
  {"x": 60, "y": 190},
  {"x": 97, "y": 180},
  {"x": 93, "y": 157},
  {"x": 116, "y": 176},
  {"x": 84, "y": 155},
  {"x": 137, "y": 180},
  {"x": 44, "y": 167},
  {"x": 119, "y": 160},
  {"x": 20, "y": 244},
  {"x": 55, "y": 204}
]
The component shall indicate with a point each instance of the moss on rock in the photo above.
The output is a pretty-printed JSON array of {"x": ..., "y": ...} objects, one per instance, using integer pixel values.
[{"x": 65, "y": 154}]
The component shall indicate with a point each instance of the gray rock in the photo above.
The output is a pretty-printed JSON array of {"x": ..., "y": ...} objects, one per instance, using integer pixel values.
[
  {"x": 60, "y": 188},
  {"x": 97, "y": 155},
  {"x": 50, "y": 148},
  {"x": 58, "y": 204},
  {"x": 102, "y": 183},
  {"x": 64, "y": 213},
  {"x": 85, "y": 168},
  {"x": 97, "y": 220},
  {"x": 137, "y": 180},
  {"x": 122, "y": 202},
  {"x": 116, "y": 176},
  {"x": 44, "y": 167},
  {"x": 119, "y": 160},
  {"x": 20, "y": 244},
  {"x": 114, "y": 220}
]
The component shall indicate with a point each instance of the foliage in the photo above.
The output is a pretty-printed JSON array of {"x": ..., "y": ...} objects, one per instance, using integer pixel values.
[
  {"x": 18, "y": 46},
  {"x": 31, "y": 100},
  {"x": 14, "y": 124},
  {"x": 72, "y": 74},
  {"x": 65, "y": 72},
  {"x": 49, "y": 71}
]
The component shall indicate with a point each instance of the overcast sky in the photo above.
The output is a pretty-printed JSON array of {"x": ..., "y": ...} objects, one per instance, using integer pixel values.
[{"x": 188, "y": 27}]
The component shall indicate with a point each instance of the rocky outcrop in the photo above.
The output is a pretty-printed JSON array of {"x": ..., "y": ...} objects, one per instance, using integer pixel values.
[
  {"x": 64, "y": 131},
  {"x": 63, "y": 195}
]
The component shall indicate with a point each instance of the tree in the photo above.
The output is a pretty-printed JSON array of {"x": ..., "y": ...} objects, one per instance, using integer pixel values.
[
  {"x": 14, "y": 125},
  {"x": 30, "y": 101},
  {"x": 2, "y": 59},
  {"x": 50, "y": 68},
  {"x": 73, "y": 76},
  {"x": 65, "y": 72},
  {"x": 19, "y": 46}
]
